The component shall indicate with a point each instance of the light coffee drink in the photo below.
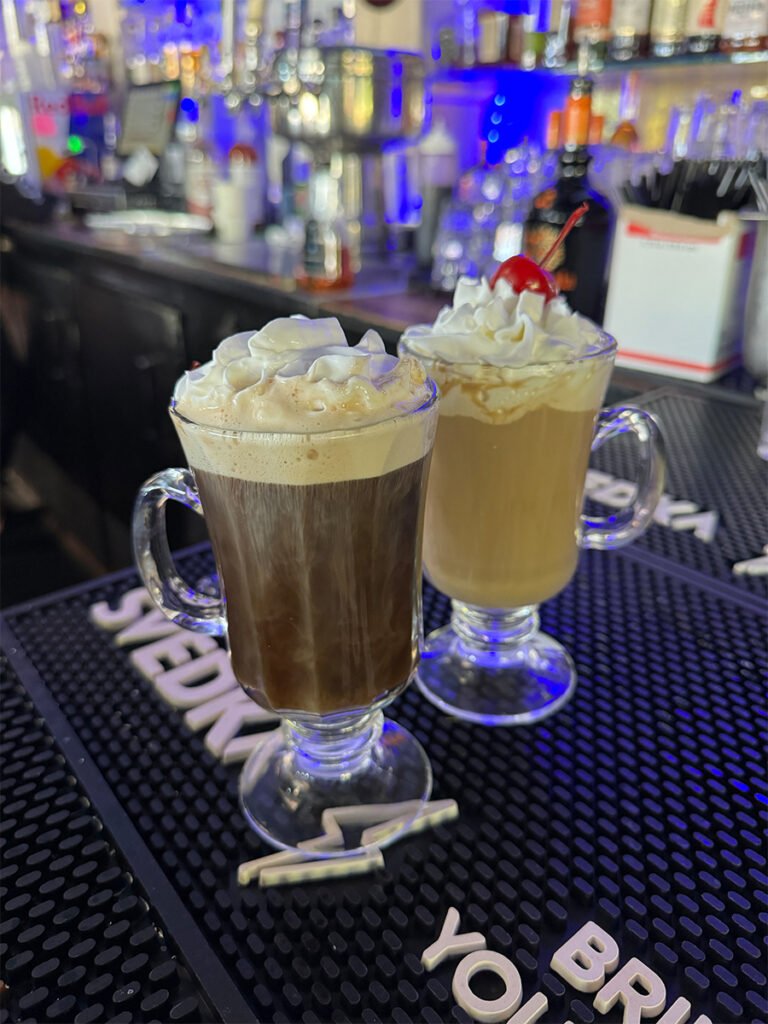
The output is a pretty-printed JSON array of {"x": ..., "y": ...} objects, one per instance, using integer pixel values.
[
  {"x": 506, "y": 486},
  {"x": 310, "y": 465},
  {"x": 521, "y": 382},
  {"x": 514, "y": 436}
]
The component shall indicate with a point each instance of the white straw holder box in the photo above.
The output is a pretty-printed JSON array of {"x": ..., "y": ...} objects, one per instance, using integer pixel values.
[{"x": 677, "y": 291}]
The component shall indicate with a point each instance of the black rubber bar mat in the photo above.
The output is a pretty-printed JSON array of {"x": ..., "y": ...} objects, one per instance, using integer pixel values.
[
  {"x": 714, "y": 465},
  {"x": 79, "y": 940},
  {"x": 640, "y": 806}
]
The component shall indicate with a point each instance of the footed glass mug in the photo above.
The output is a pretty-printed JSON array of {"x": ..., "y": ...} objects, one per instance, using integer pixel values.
[
  {"x": 504, "y": 523},
  {"x": 321, "y": 609}
]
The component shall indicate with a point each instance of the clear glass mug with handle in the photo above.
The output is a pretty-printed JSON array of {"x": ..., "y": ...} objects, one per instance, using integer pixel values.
[
  {"x": 317, "y": 541},
  {"x": 504, "y": 522}
]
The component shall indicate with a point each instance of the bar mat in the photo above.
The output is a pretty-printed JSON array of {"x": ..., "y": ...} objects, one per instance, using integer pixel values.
[
  {"x": 79, "y": 940},
  {"x": 640, "y": 806},
  {"x": 712, "y": 462}
]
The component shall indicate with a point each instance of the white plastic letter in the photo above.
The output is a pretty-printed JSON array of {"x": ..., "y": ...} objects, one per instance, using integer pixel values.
[
  {"x": 450, "y": 943},
  {"x": 595, "y": 479},
  {"x": 669, "y": 506},
  {"x": 678, "y": 1013},
  {"x": 638, "y": 1002},
  {"x": 704, "y": 525},
  {"x": 241, "y": 712},
  {"x": 531, "y": 1011},
  {"x": 175, "y": 649},
  {"x": 183, "y": 687},
  {"x": 152, "y": 626},
  {"x": 619, "y": 494},
  {"x": 586, "y": 958},
  {"x": 129, "y": 608},
  {"x": 487, "y": 1010}
]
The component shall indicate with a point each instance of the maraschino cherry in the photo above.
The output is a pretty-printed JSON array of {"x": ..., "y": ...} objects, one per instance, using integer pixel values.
[{"x": 525, "y": 275}]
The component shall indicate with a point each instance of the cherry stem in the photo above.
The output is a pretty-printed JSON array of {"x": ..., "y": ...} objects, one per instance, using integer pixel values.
[{"x": 566, "y": 230}]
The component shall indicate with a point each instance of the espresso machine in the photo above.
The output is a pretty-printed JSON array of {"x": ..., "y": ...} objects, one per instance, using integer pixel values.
[{"x": 348, "y": 108}]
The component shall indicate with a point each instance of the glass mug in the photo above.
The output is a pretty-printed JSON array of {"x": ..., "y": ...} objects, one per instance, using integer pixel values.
[
  {"x": 321, "y": 605},
  {"x": 504, "y": 524}
]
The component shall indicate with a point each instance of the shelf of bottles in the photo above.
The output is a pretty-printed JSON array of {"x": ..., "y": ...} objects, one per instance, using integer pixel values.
[
  {"x": 574, "y": 36},
  {"x": 597, "y": 67}
]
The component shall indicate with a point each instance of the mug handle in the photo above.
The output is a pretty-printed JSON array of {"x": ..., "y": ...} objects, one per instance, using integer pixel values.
[
  {"x": 614, "y": 531},
  {"x": 172, "y": 595}
]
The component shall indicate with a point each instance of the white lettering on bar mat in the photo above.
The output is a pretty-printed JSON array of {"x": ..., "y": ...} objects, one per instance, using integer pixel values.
[
  {"x": 189, "y": 671},
  {"x": 290, "y": 866},
  {"x": 584, "y": 961}
]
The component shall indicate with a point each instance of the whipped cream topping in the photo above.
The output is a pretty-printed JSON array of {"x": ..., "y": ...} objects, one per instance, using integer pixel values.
[
  {"x": 274, "y": 399},
  {"x": 497, "y": 355},
  {"x": 300, "y": 375},
  {"x": 499, "y": 327}
]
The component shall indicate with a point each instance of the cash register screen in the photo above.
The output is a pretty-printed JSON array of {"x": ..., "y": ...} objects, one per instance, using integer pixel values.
[{"x": 148, "y": 117}]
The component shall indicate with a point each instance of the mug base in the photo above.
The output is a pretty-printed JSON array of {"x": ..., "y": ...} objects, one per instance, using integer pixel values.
[
  {"x": 284, "y": 796},
  {"x": 505, "y": 684}
]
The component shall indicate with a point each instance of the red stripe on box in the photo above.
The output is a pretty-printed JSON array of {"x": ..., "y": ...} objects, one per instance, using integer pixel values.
[
  {"x": 641, "y": 231},
  {"x": 644, "y": 357}
]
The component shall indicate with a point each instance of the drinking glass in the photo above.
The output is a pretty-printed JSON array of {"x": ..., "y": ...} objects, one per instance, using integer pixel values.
[
  {"x": 320, "y": 605},
  {"x": 504, "y": 522}
]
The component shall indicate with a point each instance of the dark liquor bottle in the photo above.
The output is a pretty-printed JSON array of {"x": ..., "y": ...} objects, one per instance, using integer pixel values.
[{"x": 579, "y": 264}]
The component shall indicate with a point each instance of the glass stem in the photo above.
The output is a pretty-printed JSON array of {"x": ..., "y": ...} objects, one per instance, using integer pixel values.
[
  {"x": 492, "y": 629},
  {"x": 333, "y": 750}
]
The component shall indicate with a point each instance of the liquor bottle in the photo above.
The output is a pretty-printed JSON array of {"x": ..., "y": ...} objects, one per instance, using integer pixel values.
[
  {"x": 745, "y": 26},
  {"x": 556, "y": 45},
  {"x": 668, "y": 37},
  {"x": 625, "y": 133},
  {"x": 326, "y": 259},
  {"x": 580, "y": 263},
  {"x": 535, "y": 27},
  {"x": 703, "y": 25},
  {"x": 630, "y": 28},
  {"x": 592, "y": 28},
  {"x": 492, "y": 27},
  {"x": 545, "y": 33}
]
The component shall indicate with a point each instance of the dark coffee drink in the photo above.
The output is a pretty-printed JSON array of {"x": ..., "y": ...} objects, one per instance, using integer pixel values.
[
  {"x": 321, "y": 585},
  {"x": 310, "y": 458}
]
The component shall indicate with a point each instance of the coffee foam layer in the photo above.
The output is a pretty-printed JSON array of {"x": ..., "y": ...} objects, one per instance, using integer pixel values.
[
  {"x": 500, "y": 395},
  {"x": 304, "y": 459}
]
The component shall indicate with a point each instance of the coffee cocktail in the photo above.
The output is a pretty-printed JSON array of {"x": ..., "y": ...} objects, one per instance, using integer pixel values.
[
  {"x": 521, "y": 381},
  {"x": 310, "y": 460}
]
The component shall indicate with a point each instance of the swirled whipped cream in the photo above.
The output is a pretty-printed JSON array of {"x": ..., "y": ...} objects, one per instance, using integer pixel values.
[
  {"x": 499, "y": 327},
  {"x": 270, "y": 396},
  {"x": 497, "y": 354}
]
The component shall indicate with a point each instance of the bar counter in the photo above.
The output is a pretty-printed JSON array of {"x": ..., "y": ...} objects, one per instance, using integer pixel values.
[{"x": 252, "y": 273}]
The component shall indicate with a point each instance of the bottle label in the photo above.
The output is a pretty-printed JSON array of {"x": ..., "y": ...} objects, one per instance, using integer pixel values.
[
  {"x": 631, "y": 17},
  {"x": 668, "y": 19},
  {"x": 592, "y": 14},
  {"x": 576, "y": 119},
  {"x": 704, "y": 17},
  {"x": 538, "y": 239},
  {"x": 746, "y": 18}
]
